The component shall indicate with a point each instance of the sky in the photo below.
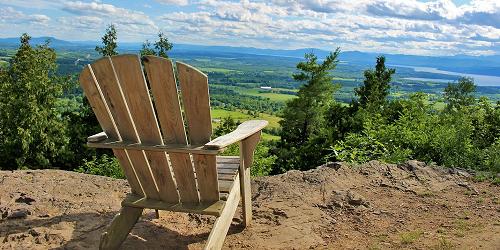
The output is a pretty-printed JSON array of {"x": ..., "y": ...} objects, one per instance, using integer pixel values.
[{"x": 432, "y": 27}]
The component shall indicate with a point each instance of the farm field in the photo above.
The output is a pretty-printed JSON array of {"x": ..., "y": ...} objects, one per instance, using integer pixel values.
[{"x": 241, "y": 116}]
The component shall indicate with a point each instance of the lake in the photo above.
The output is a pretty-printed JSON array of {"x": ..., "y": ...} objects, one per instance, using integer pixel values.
[{"x": 480, "y": 80}]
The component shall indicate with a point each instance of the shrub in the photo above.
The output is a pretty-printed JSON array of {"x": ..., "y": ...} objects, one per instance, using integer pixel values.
[{"x": 103, "y": 165}]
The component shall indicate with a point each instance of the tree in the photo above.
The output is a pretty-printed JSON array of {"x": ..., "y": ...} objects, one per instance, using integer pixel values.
[
  {"x": 227, "y": 125},
  {"x": 304, "y": 122},
  {"x": 32, "y": 133},
  {"x": 147, "y": 49},
  {"x": 109, "y": 42},
  {"x": 375, "y": 88},
  {"x": 460, "y": 94},
  {"x": 161, "y": 47}
]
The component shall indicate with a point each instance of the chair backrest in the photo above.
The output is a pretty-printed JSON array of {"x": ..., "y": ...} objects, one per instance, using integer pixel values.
[{"x": 120, "y": 96}]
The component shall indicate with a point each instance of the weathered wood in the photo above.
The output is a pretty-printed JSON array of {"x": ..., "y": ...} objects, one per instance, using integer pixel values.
[
  {"x": 225, "y": 186},
  {"x": 97, "y": 137},
  {"x": 228, "y": 159},
  {"x": 221, "y": 226},
  {"x": 107, "y": 78},
  {"x": 120, "y": 98},
  {"x": 211, "y": 208},
  {"x": 169, "y": 148},
  {"x": 227, "y": 170},
  {"x": 101, "y": 110},
  {"x": 243, "y": 131},
  {"x": 247, "y": 148},
  {"x": 128, "y": 170},
  {"x": 161, "y": 78},
  {"x": 119, "y": 228},
  {"x": 131, "y": 78},
  {"x": 226, "y": 177},
  {"x": 194, "y": 91},
  {"x": 206, "y": 175}
]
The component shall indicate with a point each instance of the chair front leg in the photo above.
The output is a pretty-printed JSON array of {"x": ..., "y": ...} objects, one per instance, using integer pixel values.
[
  {"x": 247, "y": 148},
  {"x": 119, "y": 228}
]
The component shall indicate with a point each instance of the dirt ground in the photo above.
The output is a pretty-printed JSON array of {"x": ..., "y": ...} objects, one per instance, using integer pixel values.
[{"x": 371, "y": 206}]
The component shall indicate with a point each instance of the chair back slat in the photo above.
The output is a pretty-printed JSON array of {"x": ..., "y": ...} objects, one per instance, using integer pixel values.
[
  {"x": 131, "y": 78},
  {"x": 108, "y": 81},
  {"x": 196, "y": 101},
  {"x": 101, "y": 110},
  {"x": 161, "y": 78}
]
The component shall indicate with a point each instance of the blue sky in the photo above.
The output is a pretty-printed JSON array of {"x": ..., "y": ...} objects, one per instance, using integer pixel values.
[{"x": 431, "y": 27}]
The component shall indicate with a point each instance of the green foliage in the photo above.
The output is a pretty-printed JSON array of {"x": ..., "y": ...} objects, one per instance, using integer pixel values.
[
  {"x": 304, "y": 117},
  {"x": 104, "y": 165},
  {"x": 83, "y": 123},
  {"x": 161, "y": 47},
  {"x": 227, "y": 125},
  {"x": 109, "y": 42},
  {"x": 147, "y": 49},
  {"x": 32, "y": 133},
  {"x": 263, "y": 160},
  {"x": 423, "y": 133},
  {"x": 460, "y": 94},
  {"x": 375, "y": 88}
]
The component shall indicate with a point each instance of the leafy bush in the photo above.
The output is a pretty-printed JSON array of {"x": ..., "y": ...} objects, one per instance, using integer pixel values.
[
  {"x": 449, "y": 138},
  {"x": 103, "y": 165}
]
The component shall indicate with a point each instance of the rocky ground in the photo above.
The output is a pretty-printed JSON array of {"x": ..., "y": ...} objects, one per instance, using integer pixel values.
[{"x": 371, "y": 206}]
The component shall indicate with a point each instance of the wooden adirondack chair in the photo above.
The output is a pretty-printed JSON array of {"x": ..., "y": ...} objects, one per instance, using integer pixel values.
[{"x": 166, "y": 169}]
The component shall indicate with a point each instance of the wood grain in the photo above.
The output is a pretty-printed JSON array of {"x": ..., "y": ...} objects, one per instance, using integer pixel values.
[
  {"x": 131, "y": 78},
  {"x": 101, "y": 110},
  {"x": 243, "y": 131},
  {"x": 247, "y": 148},
  {"x": 161, "y": 78},
  {"x": 194, "y": 91}
]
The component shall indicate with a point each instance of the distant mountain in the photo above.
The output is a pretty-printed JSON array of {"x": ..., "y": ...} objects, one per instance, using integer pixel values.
[{"x": 487, "y": 65}]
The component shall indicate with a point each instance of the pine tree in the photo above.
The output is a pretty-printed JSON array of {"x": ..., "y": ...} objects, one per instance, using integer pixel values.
[
  {"x": 32, "y": 133},
  {"x": 147, "y": 49},
  {"x": 375, "y": 89},
  {"x": 303, "y": 123},
  {"x": 161, "y": 47},
  {"x": 109, "y": 42}
]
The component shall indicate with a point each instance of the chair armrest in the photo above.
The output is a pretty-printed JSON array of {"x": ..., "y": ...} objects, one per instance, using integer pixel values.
[
  {"x": 243, "y": 131},
  {"x": 97, "y": 137}
]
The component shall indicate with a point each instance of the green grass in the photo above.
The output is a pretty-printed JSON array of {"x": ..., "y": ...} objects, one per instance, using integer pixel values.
[
  {"x": 219, "y": 70},
  {"x": 276, "y": 97},
  {"x": 240, "y": 115},
  {"x": 410, "y": 237}
]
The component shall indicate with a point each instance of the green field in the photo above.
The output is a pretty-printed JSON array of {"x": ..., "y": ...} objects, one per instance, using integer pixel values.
[
  {"x": 277, "y": 97},
  {"x": 241, "y": 116},
  {"x": 218, "y": 70}
]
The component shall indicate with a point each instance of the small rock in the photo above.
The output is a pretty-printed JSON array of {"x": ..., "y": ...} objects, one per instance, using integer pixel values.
[
  {"x": 355, "y": 199},
  {"x": 334, "y": 165},
  {"x": 19, "y": 214},
  {"x": 33, "y": 232},
  {"x": 25, "y": 199}
]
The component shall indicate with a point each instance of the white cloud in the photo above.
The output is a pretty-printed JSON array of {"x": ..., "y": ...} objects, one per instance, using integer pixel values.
[
  {"x": 174, "y": 2},
  {"x": 110, "y": 12},
  {"x": 10, "y": 15},
  {"x": 398, "y": 26}
]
